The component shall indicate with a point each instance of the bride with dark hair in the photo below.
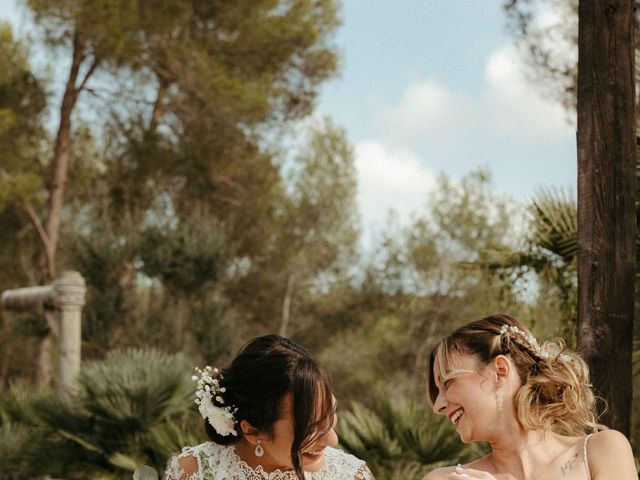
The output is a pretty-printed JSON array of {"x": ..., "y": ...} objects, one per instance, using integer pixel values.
[{"x": 270, "y": 416}]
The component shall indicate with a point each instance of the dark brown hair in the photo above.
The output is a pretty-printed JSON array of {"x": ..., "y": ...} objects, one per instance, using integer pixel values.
[{"x": 264, "y": 371}]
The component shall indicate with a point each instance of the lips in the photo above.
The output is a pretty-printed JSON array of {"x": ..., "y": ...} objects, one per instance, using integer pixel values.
[
  {"x": 455, "y": 416},
  {"x": 313, "y": 455}
]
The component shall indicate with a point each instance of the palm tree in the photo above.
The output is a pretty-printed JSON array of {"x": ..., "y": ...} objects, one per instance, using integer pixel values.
[
  {"x": 131, "y": 409},
  {"x": 402, "y": 439}
]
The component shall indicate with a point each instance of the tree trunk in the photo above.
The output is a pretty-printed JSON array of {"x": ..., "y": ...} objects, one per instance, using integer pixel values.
[
  {"x": 43, "y": 363},
  {"x": 606, "y": 201},
  {"x": 60, "y": 164},
  {"x": 158, "y": 109},
  {"x": 286, "y": 306},
  {"x": 50, "y": 233}
]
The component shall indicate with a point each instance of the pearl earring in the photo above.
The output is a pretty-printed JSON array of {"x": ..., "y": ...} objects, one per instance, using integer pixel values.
[
  {"x": 499, "y": 398},
  {"x": 259, "y": 450}
]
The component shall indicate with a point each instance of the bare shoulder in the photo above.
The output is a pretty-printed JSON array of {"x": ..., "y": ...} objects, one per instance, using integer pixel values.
[
  {"x": 439, "y": 474},
  {"x": 606, "y": 442},
  {"x": 188, "y": 464},
  {"x": 610, "y": 456},
  {"x": 182, "y": 467}
]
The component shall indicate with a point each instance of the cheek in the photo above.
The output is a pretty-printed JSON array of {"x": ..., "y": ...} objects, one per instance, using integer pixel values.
[{"x": 282, "y": 440}]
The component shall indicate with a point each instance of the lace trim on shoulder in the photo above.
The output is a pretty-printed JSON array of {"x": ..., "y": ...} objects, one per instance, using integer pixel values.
[
  {"x": 216, "y": 462},
  {"x": 199, "y": 453},
  {"x": 363, "y": 473},
  {"x": 339, "y": 465}
]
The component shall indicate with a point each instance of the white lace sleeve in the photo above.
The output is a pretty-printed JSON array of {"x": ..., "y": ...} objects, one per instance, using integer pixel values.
[
  {"x": 175, "y": 470},
  {"x": 339, "y": 465},
  {"x": 363, "y": 473}
]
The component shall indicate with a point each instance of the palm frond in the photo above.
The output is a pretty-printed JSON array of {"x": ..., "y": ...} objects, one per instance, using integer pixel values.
[
  {"x": 126, "y": 411},
  {"x": 555, "y": 223},
  {"x": 135, "y": 387},
  {"x": 13, "y": 440},
  {"x": 401, "y": 439},
  {"x": 17, "y": 403}
]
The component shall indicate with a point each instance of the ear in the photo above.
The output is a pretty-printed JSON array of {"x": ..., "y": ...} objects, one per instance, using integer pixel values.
[
  {"x": 501, "y": 366},
  {"x": 249, "y": 432}
]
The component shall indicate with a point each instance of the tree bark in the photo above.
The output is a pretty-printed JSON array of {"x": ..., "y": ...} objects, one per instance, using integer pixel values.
[
  {"x": 60, "y": 164},
  {"x": 286, "y": 305},
  {"x": 50, "y": 234},
  {"x": 606, "y": 201},
  {"x": 158, "y": 109}
]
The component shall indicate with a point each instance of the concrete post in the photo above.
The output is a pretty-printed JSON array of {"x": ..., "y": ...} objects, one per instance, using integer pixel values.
[
  {"x": 69, "y": 299},
  {"x": 67, "y": 295},
  {"x": 29, "y": 297}
]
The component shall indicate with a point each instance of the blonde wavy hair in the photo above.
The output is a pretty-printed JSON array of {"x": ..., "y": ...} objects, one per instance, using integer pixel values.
[{"x": 555, "y": 393}]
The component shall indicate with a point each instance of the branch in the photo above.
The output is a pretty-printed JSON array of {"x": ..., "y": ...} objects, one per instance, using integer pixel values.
[
  {"x": 42, "y": 233},
  {"x": 88, "y": 74}
]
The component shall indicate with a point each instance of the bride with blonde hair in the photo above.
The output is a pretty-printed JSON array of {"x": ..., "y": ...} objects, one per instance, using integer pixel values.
[{"x": 533, "y": 404}]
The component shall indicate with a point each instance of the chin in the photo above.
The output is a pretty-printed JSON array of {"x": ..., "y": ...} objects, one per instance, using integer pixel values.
[{"x": 312, "y": 463}]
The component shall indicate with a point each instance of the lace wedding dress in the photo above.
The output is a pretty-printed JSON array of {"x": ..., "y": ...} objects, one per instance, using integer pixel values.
[{"x": 217, "y": 462}]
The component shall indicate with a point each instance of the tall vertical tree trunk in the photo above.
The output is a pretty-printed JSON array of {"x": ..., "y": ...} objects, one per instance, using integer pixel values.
[
  {"x": 286, "y": 305},
  {"x": 606, "y": 200},
  {"x": 60, "y": 165},
  {"x": 50, "y": 232}
]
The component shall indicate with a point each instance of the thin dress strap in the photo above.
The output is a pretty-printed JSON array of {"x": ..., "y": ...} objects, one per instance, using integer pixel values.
[{"x": 585, "y": 457}]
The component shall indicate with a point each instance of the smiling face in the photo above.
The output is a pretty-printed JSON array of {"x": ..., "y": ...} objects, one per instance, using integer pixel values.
[
  {"x": 277, "y": 445},
  {"x": 467, "y": 396}
]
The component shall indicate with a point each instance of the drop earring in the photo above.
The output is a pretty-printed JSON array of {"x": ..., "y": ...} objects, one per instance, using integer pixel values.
[
  {"x": 259, "y": 451},
  {"x": 499, "y": 399}
]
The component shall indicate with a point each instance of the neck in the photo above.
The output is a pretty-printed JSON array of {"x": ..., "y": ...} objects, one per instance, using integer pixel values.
[
  {"x": 246, "y": 451},
  {"x": 522, "y": 452}
]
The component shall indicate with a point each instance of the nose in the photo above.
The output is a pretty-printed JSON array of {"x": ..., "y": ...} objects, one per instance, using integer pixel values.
[{"x": 440, "y": 405}]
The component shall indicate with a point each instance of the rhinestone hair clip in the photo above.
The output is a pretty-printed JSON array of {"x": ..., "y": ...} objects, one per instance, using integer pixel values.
[{"x": 528, "y": 341}]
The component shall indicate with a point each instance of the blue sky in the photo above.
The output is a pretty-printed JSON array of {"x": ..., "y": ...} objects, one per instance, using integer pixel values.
[{"x": 435, "y": 86}]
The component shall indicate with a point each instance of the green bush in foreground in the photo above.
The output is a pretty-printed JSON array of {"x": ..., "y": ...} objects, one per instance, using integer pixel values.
[
  {"x": 402, "y": 440},
  {"x": 131, "y": 409}
]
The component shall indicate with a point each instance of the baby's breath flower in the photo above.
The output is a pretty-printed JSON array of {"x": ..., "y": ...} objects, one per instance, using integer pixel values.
[{"x": 221, "y": 418}]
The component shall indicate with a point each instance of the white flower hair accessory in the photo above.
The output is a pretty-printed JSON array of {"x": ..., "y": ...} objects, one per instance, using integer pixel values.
[
  {"x": 528, "y": 341},
  {"x": 221, "y": 418}
]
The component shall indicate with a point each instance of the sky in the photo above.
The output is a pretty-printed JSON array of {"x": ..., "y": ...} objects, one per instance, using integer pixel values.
[{"x": 431, "y": 87}]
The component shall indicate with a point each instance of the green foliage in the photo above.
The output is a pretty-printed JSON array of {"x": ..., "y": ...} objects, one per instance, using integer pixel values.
[
  {"x": 422, "y": 281},
  {"x": 555, "y": 224},
  {"x": 551, "y": 69},
  {"x": 176, "y": 208},
  {"x": 197, "y": 227},
  {"x": 323, "y": 216},
  {"x": 22, "y": 105},
  {"x": 186, "y": 259},
  {"x": 401, "y": 439},
  {"x": 130, "y": 409},
  {"x": 14, "y": 440}
]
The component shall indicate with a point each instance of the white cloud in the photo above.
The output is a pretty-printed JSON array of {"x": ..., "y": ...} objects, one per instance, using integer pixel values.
[
  {"x": 555, "y": 26},
  {"x": 389, "y": 179},
  {"x": 509, "y": 108},
  {"x": 515, "y": 107},
  {"x": 424, "y": 107}
]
